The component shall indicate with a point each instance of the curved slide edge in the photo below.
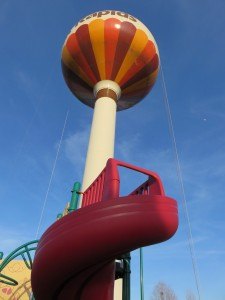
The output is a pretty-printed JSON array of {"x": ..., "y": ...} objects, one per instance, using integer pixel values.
[{"x": 75, "y": 256}]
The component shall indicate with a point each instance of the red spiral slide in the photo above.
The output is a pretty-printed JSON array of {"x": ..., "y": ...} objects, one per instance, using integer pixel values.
[{"x": 75, "y": 256}]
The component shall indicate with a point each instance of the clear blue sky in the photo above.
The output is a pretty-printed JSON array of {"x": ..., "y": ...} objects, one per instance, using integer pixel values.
[{"x": 33, "y": 104}]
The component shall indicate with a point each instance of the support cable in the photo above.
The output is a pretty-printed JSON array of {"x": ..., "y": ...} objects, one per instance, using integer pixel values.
[
  {"x": 51, "y": 177},
  {"x": 141, "y": 275},
  {"x": 180, "y": 179}
]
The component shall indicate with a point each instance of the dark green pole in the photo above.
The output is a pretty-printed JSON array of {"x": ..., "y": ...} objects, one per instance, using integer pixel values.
[
  {"x": 126, "y": 276},
  {"x": 74, "y": 197},
  {"x": 1, "y": 255}
]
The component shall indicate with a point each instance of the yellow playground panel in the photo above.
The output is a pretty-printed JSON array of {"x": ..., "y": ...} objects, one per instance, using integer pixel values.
[{"x": 17, "y": 270}]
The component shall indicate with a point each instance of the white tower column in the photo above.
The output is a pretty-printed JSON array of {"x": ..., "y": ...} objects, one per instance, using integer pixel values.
[{"x": 102, "y": 135}]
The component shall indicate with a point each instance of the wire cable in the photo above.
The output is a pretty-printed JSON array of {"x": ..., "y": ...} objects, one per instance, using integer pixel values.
[
  {"x": 141, "y": 274},
  {"x": 51, "y": 177},
  {"x": 180, "y": 179}
]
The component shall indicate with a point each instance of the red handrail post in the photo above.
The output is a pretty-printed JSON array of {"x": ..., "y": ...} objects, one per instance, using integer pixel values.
[{"x": 112, "y": 180}]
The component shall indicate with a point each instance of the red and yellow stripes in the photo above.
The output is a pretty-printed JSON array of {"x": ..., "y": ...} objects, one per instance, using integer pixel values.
[{"x": 110, "y": 49}]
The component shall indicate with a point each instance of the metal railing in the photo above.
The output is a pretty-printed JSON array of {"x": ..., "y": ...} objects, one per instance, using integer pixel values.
[{"x": 20, "y": 251}]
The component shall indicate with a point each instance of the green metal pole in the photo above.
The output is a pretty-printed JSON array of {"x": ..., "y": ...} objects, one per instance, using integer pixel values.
[
  {"x": 141, "y": 275},
  {"x": 74, "y": 197},
  {"x": 126, "y": 276}
]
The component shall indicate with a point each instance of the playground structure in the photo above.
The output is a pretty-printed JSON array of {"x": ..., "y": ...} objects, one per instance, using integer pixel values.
[
  {"x": 15, "y": 273},
  {"x": 110, "y": 62}
]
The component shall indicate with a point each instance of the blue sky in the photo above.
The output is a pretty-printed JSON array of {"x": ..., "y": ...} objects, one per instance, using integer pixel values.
[{"x": 34, "y": 101}]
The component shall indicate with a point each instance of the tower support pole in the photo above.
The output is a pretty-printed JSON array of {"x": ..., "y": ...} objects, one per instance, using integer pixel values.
[{"x": 102, "y": 135}]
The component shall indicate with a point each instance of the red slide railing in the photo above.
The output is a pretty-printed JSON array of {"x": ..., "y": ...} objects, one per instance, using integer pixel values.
[
  {"x": 107, "y": 185},
  {"x": 94, "y": 192}
]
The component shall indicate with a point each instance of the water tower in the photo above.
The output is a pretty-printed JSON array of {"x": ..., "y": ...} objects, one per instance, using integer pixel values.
[{"x": 110, "y": 62}]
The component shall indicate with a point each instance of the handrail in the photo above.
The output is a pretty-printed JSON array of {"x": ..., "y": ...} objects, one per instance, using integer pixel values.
[
  {"x": 107, "y": 184},
  {"x": 17, "y": 252},
  {"x": 8, "y": 280},
  {"x": 94, "y": 192},
  {"x": 149, "y": 187}
]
